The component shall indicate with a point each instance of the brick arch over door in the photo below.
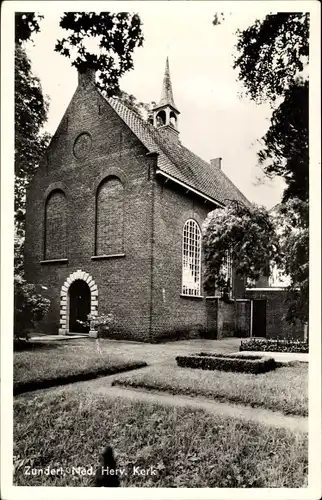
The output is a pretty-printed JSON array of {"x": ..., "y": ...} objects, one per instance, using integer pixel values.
[{"x": 64, "y": 297}]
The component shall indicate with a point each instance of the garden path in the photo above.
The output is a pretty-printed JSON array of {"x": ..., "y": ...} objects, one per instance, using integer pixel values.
[{"x": 257, "y": 415}]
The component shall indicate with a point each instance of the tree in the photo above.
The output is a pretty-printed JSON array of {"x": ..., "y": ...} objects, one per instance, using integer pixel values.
[
  {"x": 272, "y": 54},
  {"x": 31, "y": 108},
  {"x": 247, "y": 234},
  {"x": 29, "y": 307},
  {"x": 118, "y": 35},
  {"x": 292, "y": 218},
  {"x": 272, "y": 59},
  {"x": 286, "y": 149},
  {"x": 26, "y": 23}
]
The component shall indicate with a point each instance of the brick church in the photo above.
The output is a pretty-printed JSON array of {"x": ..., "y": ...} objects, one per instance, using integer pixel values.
[{"x": 113, "y": 223}]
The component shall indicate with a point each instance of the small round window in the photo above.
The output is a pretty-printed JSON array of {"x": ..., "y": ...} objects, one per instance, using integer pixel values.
[{"x": 82, "y": 145}]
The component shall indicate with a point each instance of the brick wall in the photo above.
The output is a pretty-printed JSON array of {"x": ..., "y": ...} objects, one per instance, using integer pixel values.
[
  {"x": 212, "y": 317},
  {"x": 123, "y": 282},
  {"x": 226, "y": 319},
  {"x": 276, "y": 326},
  {"x": 243, "y": 318},
  {"x": 174, "y": 314}
]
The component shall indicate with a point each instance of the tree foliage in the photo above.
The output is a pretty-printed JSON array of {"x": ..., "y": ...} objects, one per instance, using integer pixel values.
[
  {"x": 219, "y": 18},
  {"x": 29, "y": 307},
  {"x": 272, "y": 53},
  {"x": 118, "y": 34},
  {"x": 272, "y": 60},
  {"x": 248, "y": 234},
  {"x": 26, "y": 24},
  {"x": 31, "y": 108},
  {"x": 292, "y": 218},
  {"x": 286, "y": 149}
]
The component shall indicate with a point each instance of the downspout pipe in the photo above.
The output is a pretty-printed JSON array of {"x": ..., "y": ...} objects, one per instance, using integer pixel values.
[{"x": 151, "y": 178}]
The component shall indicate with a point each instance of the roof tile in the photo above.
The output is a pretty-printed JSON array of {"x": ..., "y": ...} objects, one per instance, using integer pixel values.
[{"x": 178, "y": 161}]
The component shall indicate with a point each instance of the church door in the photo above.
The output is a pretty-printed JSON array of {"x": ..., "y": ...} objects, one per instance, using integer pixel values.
[
  {"x": 79, "y": 306},
  {"x": 259, "y": 318}
]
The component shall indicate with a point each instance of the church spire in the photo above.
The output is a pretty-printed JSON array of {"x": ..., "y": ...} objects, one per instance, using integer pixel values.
[
  {"x": 167, "y": 94},
  {"x": 166, "y": 112}
]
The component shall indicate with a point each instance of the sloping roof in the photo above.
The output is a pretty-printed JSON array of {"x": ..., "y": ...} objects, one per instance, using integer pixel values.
[{"x": 178, "y": 161}]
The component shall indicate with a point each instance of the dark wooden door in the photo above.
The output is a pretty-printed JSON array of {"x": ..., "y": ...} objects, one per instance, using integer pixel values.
[
  {"x": 259, "y": 318},
  {"x": 79, "y": 306}
]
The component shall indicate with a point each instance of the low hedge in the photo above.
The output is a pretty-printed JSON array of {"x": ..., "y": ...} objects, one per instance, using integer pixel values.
[
  {"x": 274, "y": 345},
  {"x": 230, "y": 363},
  {"x": 239, "y": 356}
]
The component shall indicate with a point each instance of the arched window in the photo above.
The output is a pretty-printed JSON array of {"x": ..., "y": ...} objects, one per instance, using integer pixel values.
[
  {"x": 56, "y": 226},
  {"x": 191, "y": 258},
  {"x": 161, "y": 118},
  {"x": 173, "y": 119},
  {"x": 110, "y": 217}
]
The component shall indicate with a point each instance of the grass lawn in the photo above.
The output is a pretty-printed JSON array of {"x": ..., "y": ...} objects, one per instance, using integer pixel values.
[
  {"x": 284, "y": 389},
  {"x": 48, "y": 360},
  {"x": 188, "y": 448},
  {"x": 45, "y": 362}
]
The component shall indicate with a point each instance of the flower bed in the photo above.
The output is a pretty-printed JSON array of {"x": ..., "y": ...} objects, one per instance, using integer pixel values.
[
  {"x": 274, "y": 345},
  {"x": 231, "y": 363}
]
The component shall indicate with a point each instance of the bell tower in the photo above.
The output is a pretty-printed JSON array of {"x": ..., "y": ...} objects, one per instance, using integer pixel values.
[{"x": 165, "y": 114}]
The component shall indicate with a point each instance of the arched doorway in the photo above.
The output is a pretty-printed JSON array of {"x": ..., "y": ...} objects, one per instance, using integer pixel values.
[{"x": 79, "y": 306}]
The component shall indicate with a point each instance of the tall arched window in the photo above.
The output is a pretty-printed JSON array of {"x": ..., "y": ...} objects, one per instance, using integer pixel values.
[
  {"x": 110, "y": 217},
  {"x": 191, "y": 258},
  {"x": 56, "y": 226}
]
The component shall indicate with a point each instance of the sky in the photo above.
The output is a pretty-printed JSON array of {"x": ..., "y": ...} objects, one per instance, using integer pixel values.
[{"x": 214, "y": 121}]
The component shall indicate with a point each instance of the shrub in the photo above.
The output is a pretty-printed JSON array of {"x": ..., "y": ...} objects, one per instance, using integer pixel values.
[
  {"x": 274, "y": 345},
  {"x": 101, "y": 323},
  {"x": 29, "y": 308},
  {"x": 227, "y": 363},
  {"x": 239, "y": 356}
]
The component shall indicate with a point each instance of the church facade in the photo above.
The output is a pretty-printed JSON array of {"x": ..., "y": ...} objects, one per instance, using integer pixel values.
[{"x": 113, "y": 223}]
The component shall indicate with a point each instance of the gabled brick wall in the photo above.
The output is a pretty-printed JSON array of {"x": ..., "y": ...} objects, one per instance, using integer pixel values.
[{"x": 123, "y": 282}]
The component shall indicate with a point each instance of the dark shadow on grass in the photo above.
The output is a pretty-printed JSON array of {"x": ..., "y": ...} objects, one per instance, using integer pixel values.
[{"x": 34, "y": 385}]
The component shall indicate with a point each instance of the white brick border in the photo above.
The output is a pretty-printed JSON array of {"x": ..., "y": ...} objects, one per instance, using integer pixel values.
[{"x": 64, "y": 298}]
